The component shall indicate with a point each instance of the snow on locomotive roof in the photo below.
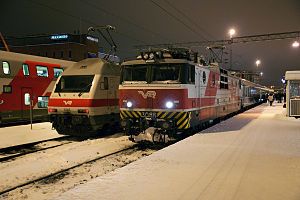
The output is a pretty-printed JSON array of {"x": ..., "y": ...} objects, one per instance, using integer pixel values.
[
  {"x": 92, "y": 66},
  {"x": 22, "y": 57},
  {"x": 292, "y": 75}
]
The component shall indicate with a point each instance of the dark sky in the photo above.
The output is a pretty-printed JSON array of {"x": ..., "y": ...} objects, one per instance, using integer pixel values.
[{"x": 169, "y": 21}]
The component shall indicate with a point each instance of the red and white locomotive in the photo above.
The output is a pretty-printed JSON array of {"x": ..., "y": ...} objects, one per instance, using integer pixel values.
[
  {"x": 172, "y": 91},
  {"x": 85, "y": 98},
  {"x": 26, "y": 82}
]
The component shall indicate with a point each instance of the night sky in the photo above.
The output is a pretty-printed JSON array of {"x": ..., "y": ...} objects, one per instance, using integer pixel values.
[{"x": 169, "y": 21}]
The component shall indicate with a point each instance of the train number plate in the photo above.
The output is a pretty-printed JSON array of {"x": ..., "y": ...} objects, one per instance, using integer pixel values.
[{"x": 149, "y": 114}]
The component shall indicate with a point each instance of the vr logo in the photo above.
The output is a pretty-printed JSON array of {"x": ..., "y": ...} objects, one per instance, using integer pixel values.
[
  {"x": 150, "y": 94},
  {"x": 68, "y": 102}
]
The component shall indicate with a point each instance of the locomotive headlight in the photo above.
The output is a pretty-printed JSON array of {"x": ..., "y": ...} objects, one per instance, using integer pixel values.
[
  {"x": 169, "y": 104},
  {"x": 129, "y": 104}
]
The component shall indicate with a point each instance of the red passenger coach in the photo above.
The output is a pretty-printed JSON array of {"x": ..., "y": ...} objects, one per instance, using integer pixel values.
[
  {"x": 174, "y": 91},
  {"x": 26, "y": 83}
]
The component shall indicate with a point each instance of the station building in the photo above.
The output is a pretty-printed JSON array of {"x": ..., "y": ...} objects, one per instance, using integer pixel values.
[{"x": 73, "y": 47}]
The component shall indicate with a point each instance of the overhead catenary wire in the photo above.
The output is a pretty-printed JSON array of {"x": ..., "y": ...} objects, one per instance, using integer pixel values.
[
  {"x": 189, "y": 19},
  {"x": 101, "y": 9},
  {"x": 176, "y": 18}
]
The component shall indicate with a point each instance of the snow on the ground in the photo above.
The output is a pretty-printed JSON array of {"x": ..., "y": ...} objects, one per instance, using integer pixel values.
[
  {"x": 49, "y": 161},
  {"x": 50, "y": 188},
  {"x": 255, "y": 155},
  {"x": 15, "y": 135}
]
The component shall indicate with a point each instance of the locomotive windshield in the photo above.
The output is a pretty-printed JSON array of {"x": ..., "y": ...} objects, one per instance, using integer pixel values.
[
  {"x": 159, "y": 73},
  {"x": 135, "y": 73},
  {"x": 168, "y": 73},
  {"x": 78, "y": 83}
]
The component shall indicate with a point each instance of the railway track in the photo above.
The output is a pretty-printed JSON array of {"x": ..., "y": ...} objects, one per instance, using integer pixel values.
[
  {"x": 62, "y": 171},
  {"x": 12, "y": 152}
]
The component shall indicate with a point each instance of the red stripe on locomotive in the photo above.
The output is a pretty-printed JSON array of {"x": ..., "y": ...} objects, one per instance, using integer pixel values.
[{"x": 82, "y": 102}]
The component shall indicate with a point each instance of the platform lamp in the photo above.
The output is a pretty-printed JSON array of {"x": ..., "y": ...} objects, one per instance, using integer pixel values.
[{"x": 231, "y": 33}]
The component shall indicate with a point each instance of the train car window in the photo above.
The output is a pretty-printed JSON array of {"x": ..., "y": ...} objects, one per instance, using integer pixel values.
[
  {"x": 43, "y": 102},
  {"x": 57, "y": 72},
  {"x": 25, "y": 70},
  {"x": 204, "y": 77},
  {"x": 223, "y": 82},
  {"x": 5, "y": 67},
  {"x": 27, "y": 99},
  {"x": 7, "y": 89},
  {"x": 42, "y": 71}
]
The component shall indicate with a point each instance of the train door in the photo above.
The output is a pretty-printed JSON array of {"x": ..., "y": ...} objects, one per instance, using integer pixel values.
[
  {"x": 26, "y": 97},
  {"x": 112, "y": 94}
]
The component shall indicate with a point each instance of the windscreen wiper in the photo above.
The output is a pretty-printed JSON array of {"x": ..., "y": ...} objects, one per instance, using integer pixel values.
[{"x": 83, "y": 89}]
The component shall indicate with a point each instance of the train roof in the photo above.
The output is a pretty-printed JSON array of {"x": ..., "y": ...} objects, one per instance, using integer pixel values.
[
  {"x": 25, "y": 57},
  {"x": 91, "y": 66},
  {"x": 292, "y": 75},
  {"x": 256, "y": 85}
]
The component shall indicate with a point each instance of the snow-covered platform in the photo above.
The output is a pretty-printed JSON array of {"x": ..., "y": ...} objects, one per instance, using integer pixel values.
[
  {"x": 254, "y": 155},
  {"x": 23, "y": 134}
]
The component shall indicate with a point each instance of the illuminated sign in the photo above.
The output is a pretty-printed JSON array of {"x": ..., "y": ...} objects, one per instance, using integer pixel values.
[
  {"x": 59, "y": 37},
  {"x": 92, "y": 38}
]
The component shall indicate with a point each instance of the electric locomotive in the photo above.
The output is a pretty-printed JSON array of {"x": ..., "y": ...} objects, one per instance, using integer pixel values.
[
  {"x": 174, "y": 91},
  {"x": 85, "y": 98}
]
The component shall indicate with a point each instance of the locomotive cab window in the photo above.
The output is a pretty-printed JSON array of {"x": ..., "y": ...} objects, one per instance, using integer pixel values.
[
  {"x": 57, "y": 72},
  {"x": 7, "y": 89},
  {"x": 168, "y": 73},
  {"x": 76, "y": 83},
  {"x": 5, "y": 67},
  {"x": 42, "y": 71},
  {"x": 134, "y": 73},
  {"x": 25, "y": 70}
]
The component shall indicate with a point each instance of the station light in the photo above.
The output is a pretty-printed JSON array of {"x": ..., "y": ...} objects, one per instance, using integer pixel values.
[
  {"x": 295, "y": 44},
  {"x": 231, "y": 32},
  {"x": 257, "y": 62}
]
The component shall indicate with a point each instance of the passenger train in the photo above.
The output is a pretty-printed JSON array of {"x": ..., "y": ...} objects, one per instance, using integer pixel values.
[
  {"x": 26, "y": 83},
  {"x": 173, "y": 91},
  {"x": 85, "y": 98}
]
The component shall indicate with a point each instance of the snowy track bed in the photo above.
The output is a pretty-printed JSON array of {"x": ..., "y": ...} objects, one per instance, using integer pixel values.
[
  {"x": 53, "y": 164},
  {"x": 13, "y": 152}
]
